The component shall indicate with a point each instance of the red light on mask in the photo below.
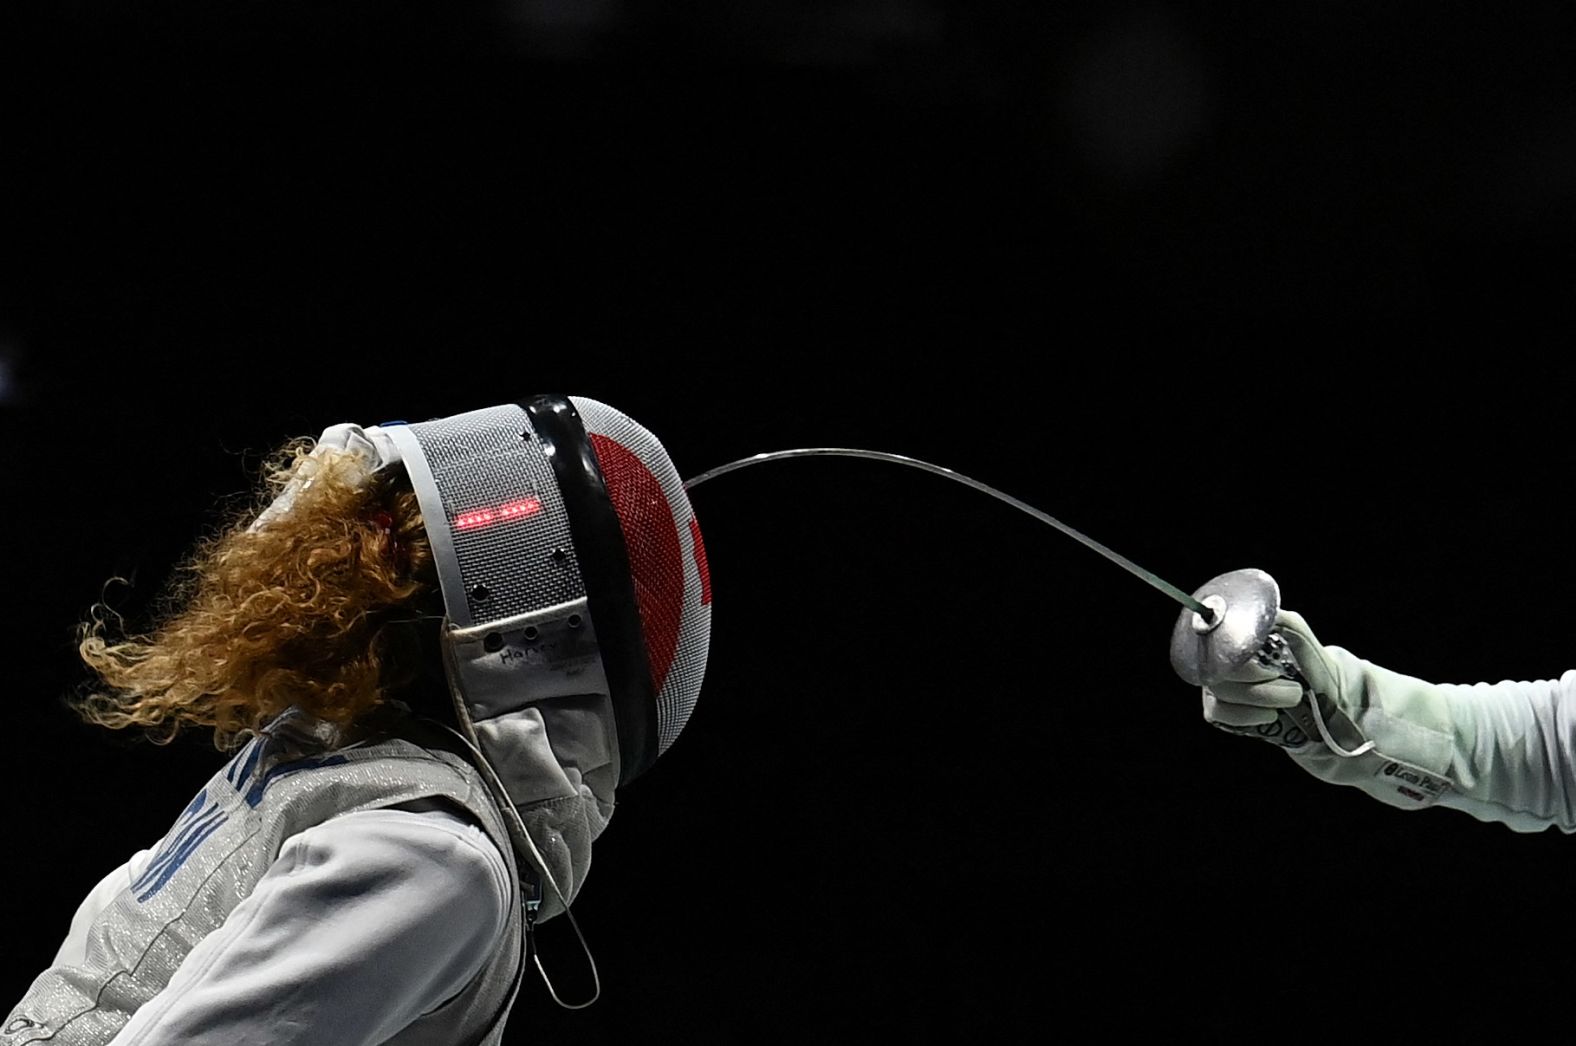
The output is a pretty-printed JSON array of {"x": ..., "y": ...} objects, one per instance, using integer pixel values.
[{"x": 524, "y": 508}]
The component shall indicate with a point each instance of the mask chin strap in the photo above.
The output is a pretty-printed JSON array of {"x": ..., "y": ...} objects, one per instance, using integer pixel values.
[
  {"x": 532, "y": 904},
  {"x": 517, "y": 825}
]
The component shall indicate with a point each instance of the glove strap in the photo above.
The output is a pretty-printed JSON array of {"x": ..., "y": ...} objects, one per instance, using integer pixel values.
[{"x": 1277, "y": 655}]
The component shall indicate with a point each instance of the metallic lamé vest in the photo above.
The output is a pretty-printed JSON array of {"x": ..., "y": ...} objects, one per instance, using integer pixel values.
[{"x": 219, "y": 848}]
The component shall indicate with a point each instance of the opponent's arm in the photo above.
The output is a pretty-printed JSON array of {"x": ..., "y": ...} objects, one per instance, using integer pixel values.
[{"x": 1502, "y": 752}]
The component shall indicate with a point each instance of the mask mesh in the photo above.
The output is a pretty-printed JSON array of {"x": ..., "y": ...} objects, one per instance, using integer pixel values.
[{"x": 666, "y": 555}]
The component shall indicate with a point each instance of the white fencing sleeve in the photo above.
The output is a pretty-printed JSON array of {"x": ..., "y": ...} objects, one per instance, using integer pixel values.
[
  {"x": 1514, "y": 758},
  {"x": 361, "y": 925},
  {"x": 1502, "y": 752}
]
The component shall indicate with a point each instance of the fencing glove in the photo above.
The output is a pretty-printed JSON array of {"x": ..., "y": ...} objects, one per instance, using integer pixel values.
[{"x": 1501, "y": 752}]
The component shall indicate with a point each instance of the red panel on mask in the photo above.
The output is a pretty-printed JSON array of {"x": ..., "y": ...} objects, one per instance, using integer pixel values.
[{"x": 655, "y": 557}]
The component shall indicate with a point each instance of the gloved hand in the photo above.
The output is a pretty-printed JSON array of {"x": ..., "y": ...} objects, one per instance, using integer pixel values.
[{"x": 1390, "y": 735}]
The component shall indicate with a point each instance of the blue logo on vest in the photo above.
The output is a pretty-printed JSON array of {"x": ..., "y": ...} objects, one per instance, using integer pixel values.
[
  {"x": 202, "y": 817},
  {"x": 199, "y": 820}
]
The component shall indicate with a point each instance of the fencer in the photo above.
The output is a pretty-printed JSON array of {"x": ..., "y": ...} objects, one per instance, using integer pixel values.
[{"x": 438, "y": 651}]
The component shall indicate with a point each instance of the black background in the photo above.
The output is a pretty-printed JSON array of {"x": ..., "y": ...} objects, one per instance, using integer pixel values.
[{"x": 1276, "y": 285}]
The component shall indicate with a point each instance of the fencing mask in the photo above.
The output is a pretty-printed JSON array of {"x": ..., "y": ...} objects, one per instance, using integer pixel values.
[{"x": 577, "y": 600}]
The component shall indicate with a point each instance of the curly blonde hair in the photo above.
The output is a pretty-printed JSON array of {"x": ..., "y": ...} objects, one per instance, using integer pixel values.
[{"x": 296, "y": 612}]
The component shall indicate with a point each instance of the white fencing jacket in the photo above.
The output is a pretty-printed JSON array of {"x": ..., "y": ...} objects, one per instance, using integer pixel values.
[{"x": 364, "y": 895}]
